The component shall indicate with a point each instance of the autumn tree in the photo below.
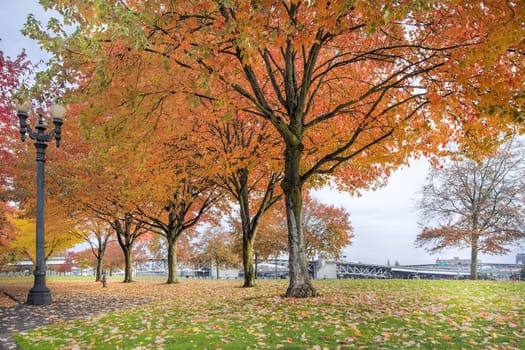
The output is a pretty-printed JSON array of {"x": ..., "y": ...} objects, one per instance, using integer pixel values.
[
  {"x": 128, "y": 231},
  {"x": 106, "y": 199},
  {"x": 97, "y": 234},
  {"x": 477, "y": 204},
  {"x": 58, "y": 237},
  {"x": 352, "y": 88},
  {"x": 7, "y": 231},
  {"x": 84, "y": 259},
  {"x": 114, "y": 258},
  {"x": 218, "y": 247},
  {"x": 12, "y": 72},
  {"x": 247, "y": 173},
  {"x": 67, "y": 266},
  {"x": 189, "y": 202},
  {"x": 157, "y": 248},
  {"x": 96, "y": 188},
  {"x": 327, "y": 230},
  {"x": 100, "y": 198},
  {"x": 348, "y": 87},
  {"x": 272, "y": 237}
]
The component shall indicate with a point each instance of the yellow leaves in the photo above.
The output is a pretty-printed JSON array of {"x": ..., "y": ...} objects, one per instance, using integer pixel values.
[{"x": 56, "y": 238}]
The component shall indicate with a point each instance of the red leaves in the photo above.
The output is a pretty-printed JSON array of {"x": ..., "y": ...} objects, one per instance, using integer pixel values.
[{"x": 11, "y": 74}]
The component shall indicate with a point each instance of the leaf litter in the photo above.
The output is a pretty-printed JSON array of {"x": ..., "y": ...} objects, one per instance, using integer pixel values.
[{"x": 349, "y": 314}]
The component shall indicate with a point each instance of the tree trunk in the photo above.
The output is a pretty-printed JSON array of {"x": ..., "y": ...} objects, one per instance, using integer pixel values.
[
  {"x": 128, "y": 268},
  {"x": 99, "y": 268},
  {"x": 474, "y": 258},
  {"x": 217, "y": 269},
  {"x": 102, "y": 244},
  {"x": 247, "y": 260},
  {"x": 248, "y": 231},
  {"x": 299, "y": 284},
  {"x": 172, "y": 261}
]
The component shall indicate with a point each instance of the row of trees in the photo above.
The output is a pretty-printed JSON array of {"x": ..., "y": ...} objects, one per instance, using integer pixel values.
[
  {"x": 180, "y": 107},
  {"x": 327, "y": 231}
]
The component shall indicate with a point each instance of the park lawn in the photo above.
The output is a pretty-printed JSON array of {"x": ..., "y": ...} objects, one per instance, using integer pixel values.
[{"x": 380, "y": 314}]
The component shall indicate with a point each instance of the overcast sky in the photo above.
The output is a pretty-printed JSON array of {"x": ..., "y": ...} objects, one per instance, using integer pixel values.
[{"x": 384, "y": 221}]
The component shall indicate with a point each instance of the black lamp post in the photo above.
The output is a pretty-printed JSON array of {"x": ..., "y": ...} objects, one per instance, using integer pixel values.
[{"x": 40, "y": 294}]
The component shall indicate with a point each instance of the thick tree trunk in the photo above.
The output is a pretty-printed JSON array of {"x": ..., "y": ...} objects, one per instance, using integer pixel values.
[
  {"x": 128, "y": 267},
  {"x": 247, "y": 260},
  {"x": 474, "y": 258},
  {"x": 172, "y": 261},
  {"x": 299, "y": 284}
]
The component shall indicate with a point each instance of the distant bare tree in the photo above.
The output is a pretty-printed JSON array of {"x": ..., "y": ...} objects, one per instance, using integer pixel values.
[{"x": 476, "y": 204}]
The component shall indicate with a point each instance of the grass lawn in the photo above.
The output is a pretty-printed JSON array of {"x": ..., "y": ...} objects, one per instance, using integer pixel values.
[{"x": 368, "y": 314}]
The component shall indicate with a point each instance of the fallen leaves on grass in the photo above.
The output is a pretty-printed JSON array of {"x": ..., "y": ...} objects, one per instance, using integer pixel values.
[{"x": 357, "y": 314}]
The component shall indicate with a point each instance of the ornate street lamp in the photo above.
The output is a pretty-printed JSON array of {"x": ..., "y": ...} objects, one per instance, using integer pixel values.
[{"x": 40, "y": 294}]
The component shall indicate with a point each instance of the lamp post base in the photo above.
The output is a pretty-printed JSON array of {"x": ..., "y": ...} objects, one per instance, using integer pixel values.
[
  {"x": 39, "y": 294},
  {"x": 39, "y": 297}
]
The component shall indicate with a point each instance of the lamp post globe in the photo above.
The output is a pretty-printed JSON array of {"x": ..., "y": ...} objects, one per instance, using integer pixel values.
[{"x": 40, "y": 294}]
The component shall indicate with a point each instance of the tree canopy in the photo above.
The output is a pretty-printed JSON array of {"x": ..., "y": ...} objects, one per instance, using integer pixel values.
[
  {"x": 475, "y": 204},
  {"x": 12, "y": 73},
  {"x": 352, "y": 88}
]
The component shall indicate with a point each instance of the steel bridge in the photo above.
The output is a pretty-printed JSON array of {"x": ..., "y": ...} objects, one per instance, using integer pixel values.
[
  {"x": 358, "y": 270},
  {"x": 355, "y": 270}
]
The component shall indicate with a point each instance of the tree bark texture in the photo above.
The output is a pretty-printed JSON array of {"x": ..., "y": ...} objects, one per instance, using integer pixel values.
[
  {"x": 299, "y": 284},
  {"x": 99, "y": 269},
  {"x": 247, "y": 260},
  {"x": 248, "y": 231},
  {"x": 172, "y": 261},
  {"x": 101, "y": 250},
  {"x": 128, "y": 277},
  {"x": 474, "y": 258}
]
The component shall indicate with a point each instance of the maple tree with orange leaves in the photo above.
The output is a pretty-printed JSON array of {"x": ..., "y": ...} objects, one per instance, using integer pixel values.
[
  {"x": 327, "y": 231},
  {"x": 354, "y": 89},
  {"x": 247, "y": 173}
]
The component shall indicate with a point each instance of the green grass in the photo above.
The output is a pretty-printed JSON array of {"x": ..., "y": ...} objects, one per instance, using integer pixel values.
[{"x": 369, "y": 314}]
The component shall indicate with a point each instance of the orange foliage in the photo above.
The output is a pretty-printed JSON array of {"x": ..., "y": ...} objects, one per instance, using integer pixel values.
[
  {"x": 327, "y": 231},
  {"x": 353, "y": 89}
]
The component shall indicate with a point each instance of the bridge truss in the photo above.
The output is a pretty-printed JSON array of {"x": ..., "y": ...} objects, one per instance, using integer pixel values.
[{"x": 353, "y": 270}]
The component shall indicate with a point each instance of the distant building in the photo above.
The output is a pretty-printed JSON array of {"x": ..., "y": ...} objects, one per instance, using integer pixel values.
[
  {"x": 520, "y": 259},
  {"x": 454, "y": 262}
]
